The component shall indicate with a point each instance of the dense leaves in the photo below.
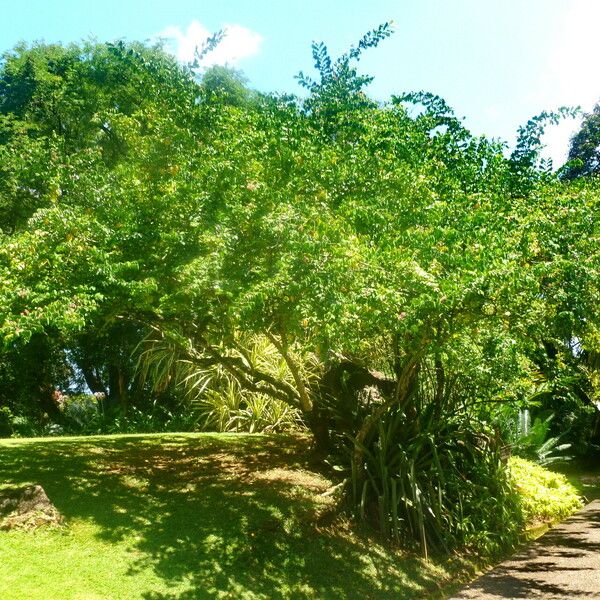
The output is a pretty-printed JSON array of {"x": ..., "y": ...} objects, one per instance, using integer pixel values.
[
  {"x": 405, "y": 275},
  {"x": 584, "y": 152}
]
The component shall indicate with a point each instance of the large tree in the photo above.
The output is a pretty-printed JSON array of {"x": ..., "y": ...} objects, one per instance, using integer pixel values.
[{"x": 407, "y": 274}]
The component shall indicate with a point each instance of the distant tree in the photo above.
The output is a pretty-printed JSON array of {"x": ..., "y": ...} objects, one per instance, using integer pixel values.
[
  {"x": 585, "y": 147},
  {"x": 226, "y": 85}
]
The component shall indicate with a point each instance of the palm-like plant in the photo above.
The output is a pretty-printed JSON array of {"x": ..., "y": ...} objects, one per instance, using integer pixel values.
[
  {"x": 219, "y": 398},
  {"x": 531, "y": 440}
]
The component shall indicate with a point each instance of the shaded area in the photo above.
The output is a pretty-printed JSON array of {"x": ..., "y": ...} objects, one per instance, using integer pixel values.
[
  {"x": 223, "y": 516},
  {"x": 564, "y": 563}
]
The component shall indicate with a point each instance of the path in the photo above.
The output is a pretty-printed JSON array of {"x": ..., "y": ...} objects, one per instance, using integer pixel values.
[{"x": 563, "y": 563}]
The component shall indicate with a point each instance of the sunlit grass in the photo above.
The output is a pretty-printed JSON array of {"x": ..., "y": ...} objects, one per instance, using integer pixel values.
[{"x": 186, "y": 516}]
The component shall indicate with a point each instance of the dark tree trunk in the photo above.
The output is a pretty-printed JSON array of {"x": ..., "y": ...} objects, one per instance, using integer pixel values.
[
  {"x": 319, "y": 426},
  {"x": 339, "y": 409},
  {"x": 92, "y": 380}
]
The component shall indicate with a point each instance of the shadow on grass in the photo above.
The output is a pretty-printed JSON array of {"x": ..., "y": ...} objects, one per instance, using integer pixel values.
[{"x": 222, "y": 516}]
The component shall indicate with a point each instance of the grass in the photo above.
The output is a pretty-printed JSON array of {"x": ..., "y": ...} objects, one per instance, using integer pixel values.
[
  {"x": 186, "y": 516},
  {"x": 584, "y": 476},
  {"x": 192, "y": 516}
]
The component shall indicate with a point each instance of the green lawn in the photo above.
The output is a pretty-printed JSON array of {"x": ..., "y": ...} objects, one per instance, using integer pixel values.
[
  {"x": 185, "y": 516},
  {"x": 584, "y": 476}
]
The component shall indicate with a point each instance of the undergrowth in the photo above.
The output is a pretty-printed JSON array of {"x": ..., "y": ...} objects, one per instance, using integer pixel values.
[{"x": 545, "y": 496}]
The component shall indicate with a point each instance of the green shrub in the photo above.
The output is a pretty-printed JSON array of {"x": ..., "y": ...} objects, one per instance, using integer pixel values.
[
  {"x": 544, "y": 496},
  {"x": 440, "y": 482},
  {"x": 215, "y": 398},
  {"x": 233, "y": 409},
  {"x": 6, "y": 422},
  {"x": 153, "y": 419},
  {"x": 533, "y": 440},
  {"x": 82, "y": 413},
  {"x": 27, "y": 426}
]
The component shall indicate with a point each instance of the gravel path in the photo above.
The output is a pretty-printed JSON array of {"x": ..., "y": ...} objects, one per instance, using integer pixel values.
[{"x": 563, "y": 563}]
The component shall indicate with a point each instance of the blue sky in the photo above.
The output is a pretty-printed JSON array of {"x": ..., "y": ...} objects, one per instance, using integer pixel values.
[{"x": 497, "y": 62}]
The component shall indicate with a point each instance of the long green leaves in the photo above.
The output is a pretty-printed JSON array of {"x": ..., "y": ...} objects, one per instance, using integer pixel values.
[
  {"x": 440, "y": 483},
  {"x": 213, "y": 393}
]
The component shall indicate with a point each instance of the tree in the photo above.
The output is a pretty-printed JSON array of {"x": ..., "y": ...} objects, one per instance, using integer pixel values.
[
  {"x": 584, "y": 151},
  {"x": 225, "y": 85},
  {"x": 70, "y": 118},
  {"x": 404, "y": 272}
]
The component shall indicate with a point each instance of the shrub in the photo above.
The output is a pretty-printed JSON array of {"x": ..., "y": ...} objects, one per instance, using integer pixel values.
[
  {"x": 233, "y": 409},
  {"x": 533, "y": 440},
  {"x": 82, "y": 413},
  {"x": 6, "y": 422},
  {"x": 440, "y": 482},
  {"x": 544, "y": 496},
  {"x": 26, "y": 426},
  {"x": 153, "y": 419}
]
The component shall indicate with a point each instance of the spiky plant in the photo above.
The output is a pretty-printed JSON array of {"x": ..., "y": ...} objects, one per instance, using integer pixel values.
[{"x": 213, "y": 392}]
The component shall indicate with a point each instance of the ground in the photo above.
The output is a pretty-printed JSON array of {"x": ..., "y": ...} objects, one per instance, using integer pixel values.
[
  {"x": 564, "y": 563},
  {"x": 186, "y": 516}
]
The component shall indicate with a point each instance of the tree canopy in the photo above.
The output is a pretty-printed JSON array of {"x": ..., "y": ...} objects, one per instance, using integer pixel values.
[
  {"x": 393, "y": 261},
  {"x": 584, "y": 151}
]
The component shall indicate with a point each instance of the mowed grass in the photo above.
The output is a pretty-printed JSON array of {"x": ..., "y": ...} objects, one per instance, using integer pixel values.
[{"x": 185, "y": 516}]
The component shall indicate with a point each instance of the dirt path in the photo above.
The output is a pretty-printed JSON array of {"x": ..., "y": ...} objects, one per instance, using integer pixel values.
[{"x": 564, "y": 563}]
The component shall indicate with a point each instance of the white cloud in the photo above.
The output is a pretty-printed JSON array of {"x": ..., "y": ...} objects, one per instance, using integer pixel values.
[
  {"x": 238, "y": 43},
  {"x": 557, "y": 139},
  {"x": 570, "y": 77}
]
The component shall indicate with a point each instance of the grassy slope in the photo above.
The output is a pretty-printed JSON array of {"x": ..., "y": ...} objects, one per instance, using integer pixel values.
[
  {"x": 190, "y": 516},
  {"x": 584, "y": 476}
]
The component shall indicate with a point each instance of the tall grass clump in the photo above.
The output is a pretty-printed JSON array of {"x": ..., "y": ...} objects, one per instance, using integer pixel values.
[{"x": 441, "y": 482}]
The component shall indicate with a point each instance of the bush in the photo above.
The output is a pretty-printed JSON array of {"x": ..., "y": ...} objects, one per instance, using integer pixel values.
[
  {"x": 87, "y": 414},
  {"x": 544, "y": 496},
  {"x": 441, "y": 482},
  {"x": 533, "y": 440},
  {"x": 82, "y": 413},
  {"x": 233, "y": 409},
  {"x": 153, "y": 419},
  {"x": 26, "y": 426},
  {"x": 6, "y": 422}
]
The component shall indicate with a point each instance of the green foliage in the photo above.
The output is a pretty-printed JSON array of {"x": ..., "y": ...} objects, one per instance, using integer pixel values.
[
  {"x": 533, "y": 441},
  {"x": 529, "y": 138},
  {"x": 232, "y": 409},
  {"x": 213, "y": 393},
  {"x": 584, "y": 151},
  {"x": 545, "y": 497},
  {"x": 226, "y": 86},
  {"x": 374, "y": 246},
  {"x": 440, "y": 482},
  {"x": 340, "y": 88},
  {"x": 156, "y": 418},
  {"x": 81, "y": 413}
]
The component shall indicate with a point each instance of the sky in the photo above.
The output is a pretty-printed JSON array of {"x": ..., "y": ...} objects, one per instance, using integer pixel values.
[{"x": 496, "y": 62}]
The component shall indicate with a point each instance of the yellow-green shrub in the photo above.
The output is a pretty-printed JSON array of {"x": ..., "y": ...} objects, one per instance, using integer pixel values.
[{"x": 545, "y": 496}]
